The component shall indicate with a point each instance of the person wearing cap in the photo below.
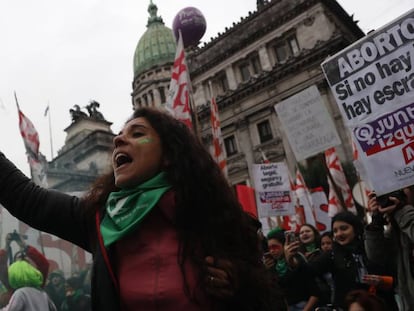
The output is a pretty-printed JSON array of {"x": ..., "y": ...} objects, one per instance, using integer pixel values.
[{"x": 394, "y": 247}]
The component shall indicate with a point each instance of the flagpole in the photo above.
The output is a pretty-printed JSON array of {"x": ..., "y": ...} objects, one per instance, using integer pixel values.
[
  {"x": 50, "y": 131},
  {"x": 17, "y": 103}
]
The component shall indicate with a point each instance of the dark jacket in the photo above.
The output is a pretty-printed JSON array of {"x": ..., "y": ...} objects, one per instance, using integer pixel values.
[
  {"x": 396, "y": 250},
  {"x": 297, "y": 284},
  {"x": 37, "y": 207},
  {"x": 348, "y": 264},
  {"x": 344, "y": 268}
]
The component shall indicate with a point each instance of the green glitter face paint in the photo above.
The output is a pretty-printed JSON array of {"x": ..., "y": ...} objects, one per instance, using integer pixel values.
[{"x": 145, "y": 140}]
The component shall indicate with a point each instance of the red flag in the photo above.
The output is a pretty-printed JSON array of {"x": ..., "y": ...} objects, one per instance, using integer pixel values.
[
  {"x": 31, "y": 143},
  {"x": 246, "y": 197},
  {"x": 29, "y": 135},
  {"x": 355, "y": 154},
  {"x": 291, "y": 222},
  {"x": 305, "y": 200},
  {"x": 333, "y": 202},
  {"x": 265, "y": 160},
  {"x": 338, "y": 176},
  {"x": 178, "y": 100},
  {"x": 218, "y": 144},
  {"x": 323, "y": 221}
]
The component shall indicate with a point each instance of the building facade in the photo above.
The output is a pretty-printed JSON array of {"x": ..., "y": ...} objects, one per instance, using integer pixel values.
[
  {"x": 85, "y": 155},
  {"x": 262, "y": 59}
]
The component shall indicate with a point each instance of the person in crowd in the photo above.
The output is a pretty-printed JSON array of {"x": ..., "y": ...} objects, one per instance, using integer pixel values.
[
  {"x": 362, "y": 300},
  {"x": 326, "y": 241},
  {"x": 326, "y": 246},
  {"x": 298, "y": 285},
  {"x": 347, "y": 262},
  {"x": 310, "y": 241},
  {"x": 75, "y": 297},
  {"x": 164, "y": 226},
  {"x": 5, "y": 290},
  {"x": 310, "y": 247},
  {"x": 25, "y": 252},
  {"x": 55, "y": 288},
  {"x": 28, "y": 294},
  {"x": 396, "y": 246}
]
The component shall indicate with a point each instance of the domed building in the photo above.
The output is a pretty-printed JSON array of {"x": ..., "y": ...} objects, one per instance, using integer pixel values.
[
  {"x": 153, "y": 58},
  {"x": 267, "y": 56}
]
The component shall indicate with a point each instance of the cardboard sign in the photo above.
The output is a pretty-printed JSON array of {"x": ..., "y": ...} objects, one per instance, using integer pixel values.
[
  {"x": 307, "y": 123},
  {"x": 273, "y": 195},
  {"x": 373, "y": 84}
]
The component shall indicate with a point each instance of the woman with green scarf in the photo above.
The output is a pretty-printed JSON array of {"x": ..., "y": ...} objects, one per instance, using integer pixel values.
[
  {"x": 310, "y": 241},
  {"x": 28, "y": 294},
  {"x": 298, "y": 285},
  {"x": 310, "y": 247},
  {"x": 164, "y": 226}
]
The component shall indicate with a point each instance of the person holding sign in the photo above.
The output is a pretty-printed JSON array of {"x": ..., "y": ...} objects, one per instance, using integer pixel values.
[
  {"x": 396, "y": 248},
  {"x": 164, "y": 227}
]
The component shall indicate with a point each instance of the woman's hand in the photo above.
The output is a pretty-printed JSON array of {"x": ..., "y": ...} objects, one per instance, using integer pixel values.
[
  {"x": 391, "y": 208},
  {"x": 221, "y": 281},
  {"x": 373, "y": 205},
  {"x": 291, "y": 250},
  {"x": 268, "y": 261}
]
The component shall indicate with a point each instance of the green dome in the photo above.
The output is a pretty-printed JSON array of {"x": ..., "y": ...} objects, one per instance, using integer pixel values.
[{"x": 157, "y": 45}]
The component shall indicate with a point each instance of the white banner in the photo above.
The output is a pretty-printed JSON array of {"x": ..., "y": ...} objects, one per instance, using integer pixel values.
[
  {"x": 373, "y": 82},
  {"x": 273, "y": 195},
  {"x": 307, "y": 123}
]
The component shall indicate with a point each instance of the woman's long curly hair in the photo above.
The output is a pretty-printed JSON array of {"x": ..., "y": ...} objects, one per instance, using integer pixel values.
[{"x": 209, "y": 218}]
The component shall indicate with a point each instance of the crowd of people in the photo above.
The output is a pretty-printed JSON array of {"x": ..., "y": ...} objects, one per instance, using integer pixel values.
[
  {"x": 356, "y": 266},
  {"x": 27, "y": 284},
  {"x": 167, "y": 232}
]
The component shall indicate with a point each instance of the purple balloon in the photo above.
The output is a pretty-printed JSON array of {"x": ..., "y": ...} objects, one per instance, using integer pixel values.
[{"x": 192, "y": 24}]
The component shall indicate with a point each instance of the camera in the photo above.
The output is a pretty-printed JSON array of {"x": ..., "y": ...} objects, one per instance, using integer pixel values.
[
  {"x": 290, "y": 237},
  {"x": 384, "y": 200}
]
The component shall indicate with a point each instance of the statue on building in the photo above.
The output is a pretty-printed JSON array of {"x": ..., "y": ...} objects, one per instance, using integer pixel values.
[
  {"x": 77, "y": 113},
  {"x": 93, "y": 110}
]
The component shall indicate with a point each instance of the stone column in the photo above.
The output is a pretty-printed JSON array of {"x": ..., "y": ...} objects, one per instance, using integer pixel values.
[
  {"x": 264, "y": 58},
  {"x": 231, "y": 78},
  {"x": 157, "y": 97}
]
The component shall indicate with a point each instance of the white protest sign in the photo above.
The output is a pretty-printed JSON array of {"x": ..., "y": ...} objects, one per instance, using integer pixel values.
[
  {"x": 273, "y": 195},
  {"x": 307, "y": 123},
  {"x": 373, "y": 82}
]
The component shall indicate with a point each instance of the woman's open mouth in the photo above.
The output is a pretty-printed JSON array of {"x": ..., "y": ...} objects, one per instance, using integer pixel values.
[{"x": 122, "y": 159}]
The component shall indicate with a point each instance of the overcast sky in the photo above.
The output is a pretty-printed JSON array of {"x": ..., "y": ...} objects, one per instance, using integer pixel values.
[{"x": 64, "y": 53}]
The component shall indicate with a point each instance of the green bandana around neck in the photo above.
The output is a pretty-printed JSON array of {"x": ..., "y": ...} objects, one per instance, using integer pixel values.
[
  {"x": 125, "y": 209},
  {"x": 281, "y": 267},
  {"x": 311, "y": 248}
]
